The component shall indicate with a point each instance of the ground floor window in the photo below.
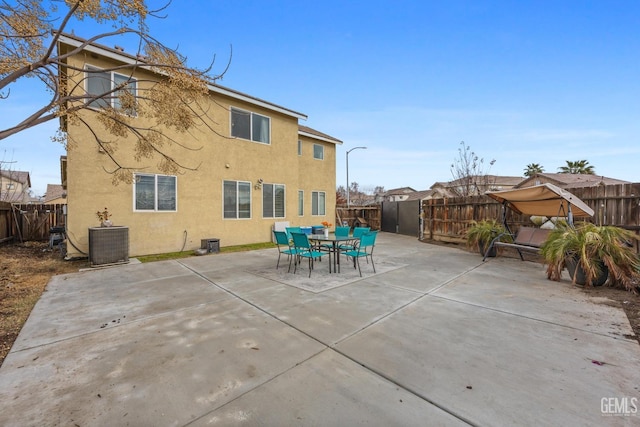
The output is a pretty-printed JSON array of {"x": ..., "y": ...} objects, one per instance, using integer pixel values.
[
  {"x": 237, "y": 199},
  {"x": 155, "y": 192},
  {"x": 318, "y": 203},
  {"x": 300, "y": 202},
  {"x": 273, "y": 200}
]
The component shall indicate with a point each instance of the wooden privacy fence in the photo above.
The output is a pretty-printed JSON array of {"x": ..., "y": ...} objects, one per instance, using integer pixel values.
[
  {"x": 29, "y": 222},
  {"x": 5, "y": 222},
  {"x": 359, "y": 215},
  {"x": 448, "y": 219}
]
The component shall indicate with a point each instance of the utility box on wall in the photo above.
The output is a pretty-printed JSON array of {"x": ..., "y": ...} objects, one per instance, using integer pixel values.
[
  {"x": 108, "y": 245},
  {"x": 211, "y": 245}
]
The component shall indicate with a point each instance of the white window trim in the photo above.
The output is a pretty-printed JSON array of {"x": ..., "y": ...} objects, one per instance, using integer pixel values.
[
  {"x": 298, "y": 207},
  {"x": 237, "y": 218},
  {"x": 251, "y": 114},
  {"x": 325, "y": 203},
  {"x": 155, "y": 191},
  {"x": 314, "y": 151},
  {"x": 112, "y": 73},
  {"x": 274, "y": 201}
]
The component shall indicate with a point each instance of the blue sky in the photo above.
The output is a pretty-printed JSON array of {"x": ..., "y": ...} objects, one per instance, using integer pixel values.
[{"x": 519, "y": 81}]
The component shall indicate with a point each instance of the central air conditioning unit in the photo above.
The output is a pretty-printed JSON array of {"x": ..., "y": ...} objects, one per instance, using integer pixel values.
[{"x": 108, "y": 245}]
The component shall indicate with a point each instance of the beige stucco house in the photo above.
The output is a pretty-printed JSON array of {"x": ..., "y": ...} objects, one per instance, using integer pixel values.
[
  {"x": 15, "y": 186},
  {"x": 55, "y": 195},
  {"x": 247, "y": 177}
]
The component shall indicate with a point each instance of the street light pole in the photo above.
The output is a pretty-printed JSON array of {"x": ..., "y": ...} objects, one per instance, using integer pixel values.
[{"x": 348, "y": 190}]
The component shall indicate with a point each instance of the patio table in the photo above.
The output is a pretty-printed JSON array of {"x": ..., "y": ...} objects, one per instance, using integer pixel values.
[{"x": 335, "y": 246}]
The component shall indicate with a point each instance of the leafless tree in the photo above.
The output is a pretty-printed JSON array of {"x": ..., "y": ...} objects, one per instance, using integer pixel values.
[
  {"x": 469, "y": 174},
  {"x": 29, "y": 33}
]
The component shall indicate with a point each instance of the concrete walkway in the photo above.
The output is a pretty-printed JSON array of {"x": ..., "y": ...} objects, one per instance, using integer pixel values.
[{"x": 443, "y": 340}]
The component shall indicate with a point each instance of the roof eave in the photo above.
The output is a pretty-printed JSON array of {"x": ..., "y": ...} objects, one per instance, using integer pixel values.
[
  {"x": 131, "y": 60},
  {"x": 320, "y": 138}
]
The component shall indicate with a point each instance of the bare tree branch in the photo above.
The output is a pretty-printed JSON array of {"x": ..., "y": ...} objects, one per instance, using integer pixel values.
[{"x": 158, "y": 88}]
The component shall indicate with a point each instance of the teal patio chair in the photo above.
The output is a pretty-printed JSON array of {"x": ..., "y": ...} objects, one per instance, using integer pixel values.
[
  {"x": 339, "y": 232},
  {"x": 357, "y": 233},
  {"x": 282, "y": 241},
  {"x": 304, "y": 249},
  {"x": 364, "y": 248},
  {"x": 292, "y": 230}
]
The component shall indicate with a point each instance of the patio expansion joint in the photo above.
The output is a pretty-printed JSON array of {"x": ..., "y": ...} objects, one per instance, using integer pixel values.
[
  {"x": 332, "y": 347},
  {"x": 267, "y": 381},
  {"x": 111, "y": 327},
  {"x": 233, "y": 294},
  {"x": 548, "y": 322}
]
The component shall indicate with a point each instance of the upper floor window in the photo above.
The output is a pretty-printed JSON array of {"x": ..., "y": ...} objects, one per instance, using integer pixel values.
[
  {"x": 116, "y": 90},
  {"x": 273, "y": 200},
  {"x": 299, "y": 148},
  {"x": 318, "y": 151},
  {"x": 155, "y": 192},
  {"x": 237, "y": 199},
  {"x": 251, "y": 126},
  {"x": 11, "y": 186}
]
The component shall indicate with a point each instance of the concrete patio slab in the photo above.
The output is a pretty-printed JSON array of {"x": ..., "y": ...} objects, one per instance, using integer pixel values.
[
  {"x": 493, "y": 368},
  {"x": 335, "y": 314},
  {"x": 165, "y": 370},
  {"x": 444, "y": 340},
  {"x": 362, "y": 399},
  {"x": 76, "y": 308},
  {"x": 527, "y": 292}
]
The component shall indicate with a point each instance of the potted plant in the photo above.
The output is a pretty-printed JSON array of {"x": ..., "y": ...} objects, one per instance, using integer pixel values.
[
  {"x": 481, "y": 233},
  {"x": 103, "y": 217},
  {"x": 592, "y": 254}
]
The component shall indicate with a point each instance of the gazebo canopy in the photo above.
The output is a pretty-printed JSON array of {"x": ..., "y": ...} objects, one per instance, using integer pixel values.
[{"x": 544, "y": 200}]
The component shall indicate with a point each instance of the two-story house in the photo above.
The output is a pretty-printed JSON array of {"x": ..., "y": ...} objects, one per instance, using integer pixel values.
[
  {"x": 257, "y": 166},
  {"x": 15, "y": 186}
]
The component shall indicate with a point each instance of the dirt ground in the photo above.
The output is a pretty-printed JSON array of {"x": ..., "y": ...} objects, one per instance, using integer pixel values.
[{"x": 25, "y": 270}]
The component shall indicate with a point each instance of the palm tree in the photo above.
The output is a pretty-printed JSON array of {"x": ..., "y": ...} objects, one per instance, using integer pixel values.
[
  {"x": 578, "y": 167},
  {"x": 532, "y": 169}
]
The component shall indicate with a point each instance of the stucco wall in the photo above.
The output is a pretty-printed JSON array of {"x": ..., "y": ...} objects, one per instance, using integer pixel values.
[{"x": 199, "y": 192}]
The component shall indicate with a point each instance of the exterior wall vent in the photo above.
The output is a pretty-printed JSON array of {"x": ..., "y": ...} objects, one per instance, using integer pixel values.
[
  {"x": 211, "y": 245},
  {"x": 108, "y": 245}
]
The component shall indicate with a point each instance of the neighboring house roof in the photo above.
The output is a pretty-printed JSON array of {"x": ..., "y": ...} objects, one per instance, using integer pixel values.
[
  {"x": 312, "y": 133},
  {"x": 54, "y": 191},
  {"x": 421, "y": 195},
  {"x": 399, "y": 191},
  {"x": 494, "y": 180},
  {"x": 17, "y": 176},
  {"x": 570, "y": 180},
  {"x": 118, "y": 55}
]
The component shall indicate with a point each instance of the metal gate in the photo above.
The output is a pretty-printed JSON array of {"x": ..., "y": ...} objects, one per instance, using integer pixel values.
[{"x": 401, "y": 217}]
